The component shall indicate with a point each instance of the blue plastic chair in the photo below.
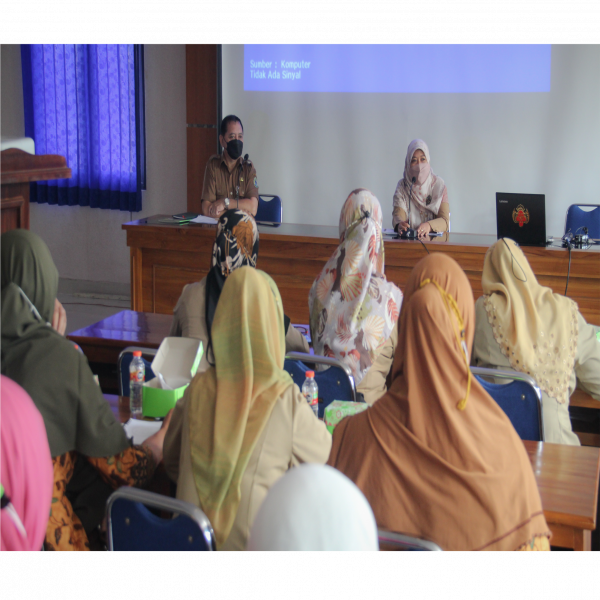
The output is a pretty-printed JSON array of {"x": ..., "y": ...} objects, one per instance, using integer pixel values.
[
  {"x": 336, "y": 383},
  {"x": 125, "y": 358},
  {"x": 577, "y": 218},
  {"x": 131, "y": 526},
  {"x": 521, "y": 400},
  {"x": 398, "y": 541},
  {"x": 271, "y": 210}
]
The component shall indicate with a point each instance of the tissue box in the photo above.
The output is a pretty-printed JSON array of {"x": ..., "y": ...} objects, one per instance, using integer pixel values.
[
  {"x": 177, "y": 360},
  {"x": 339, "y": 409}
]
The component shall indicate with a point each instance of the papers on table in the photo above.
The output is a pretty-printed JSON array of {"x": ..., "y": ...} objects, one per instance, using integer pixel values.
[
  {"x": 203, "y": 219},
  {"x": 389, "y": 232},
  {"x": 140, "y": 430}
]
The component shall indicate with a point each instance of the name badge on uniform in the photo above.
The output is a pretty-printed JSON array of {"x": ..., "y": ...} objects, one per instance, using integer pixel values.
[{"x": 428, "y": 200}]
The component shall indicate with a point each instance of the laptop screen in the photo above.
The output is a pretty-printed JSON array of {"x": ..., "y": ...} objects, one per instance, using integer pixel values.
[{"x": 522, "y": 218}]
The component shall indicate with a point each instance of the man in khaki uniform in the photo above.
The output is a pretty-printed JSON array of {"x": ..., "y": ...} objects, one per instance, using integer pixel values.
[{"x": 229, "y": 181}]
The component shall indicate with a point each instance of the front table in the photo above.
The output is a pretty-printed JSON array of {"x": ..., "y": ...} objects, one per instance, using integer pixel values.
[{"x": 165, "y": 257}]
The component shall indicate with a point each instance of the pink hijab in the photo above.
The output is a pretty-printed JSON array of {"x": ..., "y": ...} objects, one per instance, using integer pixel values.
[{"x": 27, "y": 473}]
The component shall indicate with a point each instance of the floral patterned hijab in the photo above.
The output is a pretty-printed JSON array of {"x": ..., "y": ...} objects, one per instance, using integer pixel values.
[{"x": 353, "y": 308}]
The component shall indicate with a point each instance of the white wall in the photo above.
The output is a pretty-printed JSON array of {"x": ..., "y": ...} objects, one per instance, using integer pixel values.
[
  {"x": 12, "y": 124},
  {"x": 312, "y": 149},
  {"x": 88, "y": 243}
]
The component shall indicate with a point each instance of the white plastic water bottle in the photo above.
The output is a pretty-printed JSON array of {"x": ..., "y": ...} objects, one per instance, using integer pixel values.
[
  {"x": 310, "y": 390},
  {"x": 137, "y": 374}
]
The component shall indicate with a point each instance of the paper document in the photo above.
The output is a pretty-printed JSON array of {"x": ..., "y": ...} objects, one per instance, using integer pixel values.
[
  {"x": 203, "y": 219},
  {"x": 389, "y": 232},
  {"x": 140, "y": 430}
]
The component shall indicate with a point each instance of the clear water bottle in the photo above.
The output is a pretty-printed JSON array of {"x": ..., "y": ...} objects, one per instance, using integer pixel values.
[
  {"x": 310, "y": 390},
  {"x": 137, "y": 374}
]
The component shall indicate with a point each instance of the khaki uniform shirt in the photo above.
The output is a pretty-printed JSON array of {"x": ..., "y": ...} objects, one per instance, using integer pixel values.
[
  {"x": 586, "y": 373},
  {"x": 292, "y": 435},
  {"x": 221, "y": 182},
  {"x": 373, "y": 385},
  {"x": 189, "y": 320}
]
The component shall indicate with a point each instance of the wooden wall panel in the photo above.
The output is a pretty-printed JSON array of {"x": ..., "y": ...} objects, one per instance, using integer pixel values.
[
  {"x": 202, "y": 113},
  {"x": 201, "y": 83},
  {"x": 200, "y": 147},
  {"x": 176, "y": 255}
]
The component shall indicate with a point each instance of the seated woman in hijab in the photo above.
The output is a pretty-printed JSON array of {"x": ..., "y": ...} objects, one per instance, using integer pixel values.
[
  {"x": 91, "y": 455},
  {"x": 525, "y": 326},
  {"x": 242, "y": 423},
  {"x": 236, "y": 245},
  {"x": 26, "y": 470},
  {"x": 353, "y": 308},
  {"x": 421, "y": 198},
  {"x": 436, "y": 457}
]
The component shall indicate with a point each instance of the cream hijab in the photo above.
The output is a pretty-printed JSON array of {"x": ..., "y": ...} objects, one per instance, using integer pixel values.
[
  {"x": 314, "y": 507},
  {"x": 230, "y": 404},
  {"x": 536, "y": 328},
  {"x": 353, "y": 308}
]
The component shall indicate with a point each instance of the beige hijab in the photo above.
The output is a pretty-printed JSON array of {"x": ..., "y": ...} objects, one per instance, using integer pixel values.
[
  {"x": 436, "y": 457},
  {"x": 546, "y": 342},
  {"x": 230, "y": 404}
]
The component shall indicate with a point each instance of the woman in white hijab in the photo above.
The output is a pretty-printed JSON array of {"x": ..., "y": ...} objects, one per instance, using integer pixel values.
[
  {"x": 314, "y": 507},
  {"x": 421, "y": 198}
]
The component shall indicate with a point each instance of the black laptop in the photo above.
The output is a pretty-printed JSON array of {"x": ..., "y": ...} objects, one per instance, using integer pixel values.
[{"x": 522, "y": 218}]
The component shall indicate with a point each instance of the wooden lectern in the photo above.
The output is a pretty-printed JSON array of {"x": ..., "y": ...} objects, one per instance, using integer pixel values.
[{"x": 18, "y": 169}]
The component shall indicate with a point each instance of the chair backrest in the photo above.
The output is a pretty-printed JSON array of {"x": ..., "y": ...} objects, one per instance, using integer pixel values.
[
  {"x": 336, "y": 383},
  {"x": 131, "y": 526},
  {"x": 269, "y": 210},
  {"x": 521, "y": 400},
  {"x": 389, "y": 540},
  {"x": 125, "y": 358},
  {"x": 577, "y": 218}
]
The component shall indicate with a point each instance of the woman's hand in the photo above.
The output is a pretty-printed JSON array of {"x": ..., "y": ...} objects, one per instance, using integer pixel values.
[
  {"x": 155, "y": 442},
  {"x": 423, "y": 229},
  {"x": 59, "y": 318},
  {"x": 402, "y": 226}
]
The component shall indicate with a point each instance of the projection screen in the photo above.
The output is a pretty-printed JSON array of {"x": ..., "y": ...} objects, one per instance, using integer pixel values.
[{"x": 320, "y": 121}]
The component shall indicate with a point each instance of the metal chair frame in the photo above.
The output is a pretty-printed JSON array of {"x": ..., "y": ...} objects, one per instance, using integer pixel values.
[
  {"x": 325, "y": 360},
  {"x": 405, "y": 542},
  {"x": 261, "y": 196},
  {"x": 146, "y": 351},
  {"x": 567, "y": 214},
  {"x": 160, "y": 502},
  {"x": 516, "y": 376}
]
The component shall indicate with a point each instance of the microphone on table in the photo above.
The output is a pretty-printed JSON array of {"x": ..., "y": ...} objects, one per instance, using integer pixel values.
[{"x": 409, "y": 234}]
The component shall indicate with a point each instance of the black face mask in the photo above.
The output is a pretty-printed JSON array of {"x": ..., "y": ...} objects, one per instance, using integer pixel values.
[{"x": 234, "y": 148}]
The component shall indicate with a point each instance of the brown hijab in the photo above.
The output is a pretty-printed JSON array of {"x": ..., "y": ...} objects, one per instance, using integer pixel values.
[{"x": 436, "y": 457}]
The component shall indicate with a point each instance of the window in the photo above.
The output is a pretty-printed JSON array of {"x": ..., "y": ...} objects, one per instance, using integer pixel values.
[{"x": 86, "y": 103}]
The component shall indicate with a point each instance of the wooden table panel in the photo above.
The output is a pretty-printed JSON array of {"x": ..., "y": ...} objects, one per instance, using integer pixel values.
[
  {"x": 295, "y": 254},
  {"x": 127, "y": 328},
  {"x": 567, "y": 478}
]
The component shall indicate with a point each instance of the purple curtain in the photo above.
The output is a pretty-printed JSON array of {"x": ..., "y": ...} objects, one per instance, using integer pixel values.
[{"x": 80, "y": 102}]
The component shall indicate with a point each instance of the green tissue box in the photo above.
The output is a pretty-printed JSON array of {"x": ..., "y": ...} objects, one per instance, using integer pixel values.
[
  {"x": 177, "y": 360},
  {"x": 339, "y": 409}
]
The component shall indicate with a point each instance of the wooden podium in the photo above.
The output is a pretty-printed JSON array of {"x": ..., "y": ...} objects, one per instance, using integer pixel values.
[{"x": 18, "y": 169}]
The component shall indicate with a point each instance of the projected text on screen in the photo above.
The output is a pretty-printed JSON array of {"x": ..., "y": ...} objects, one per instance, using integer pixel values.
[{"x": 397, "y": 68}]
